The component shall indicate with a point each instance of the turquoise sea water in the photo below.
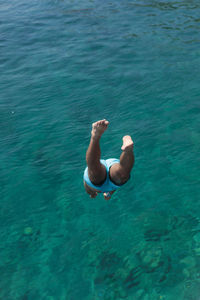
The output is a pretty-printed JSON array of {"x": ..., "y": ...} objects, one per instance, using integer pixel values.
[{"x": 63, "y": 65}]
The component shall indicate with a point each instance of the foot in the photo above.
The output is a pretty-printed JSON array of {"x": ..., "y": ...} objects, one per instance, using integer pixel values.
[
  {"x": 98, "y": 128},
  {"x": 127, "y": 143}
]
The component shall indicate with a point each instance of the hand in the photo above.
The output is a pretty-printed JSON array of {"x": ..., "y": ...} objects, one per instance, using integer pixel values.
[
  {"x": 93, "y": 195},
  {"x": 107, "y": 195}
]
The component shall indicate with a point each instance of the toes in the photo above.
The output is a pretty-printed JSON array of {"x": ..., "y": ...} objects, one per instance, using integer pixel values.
[
  {"x": 101, "y": 124},
  {"x": 105, "y": 123},
  {"x": 127, "y": 138}
]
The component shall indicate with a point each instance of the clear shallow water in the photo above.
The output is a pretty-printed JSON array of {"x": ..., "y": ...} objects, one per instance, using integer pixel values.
[{"x": 64, "y": 65}]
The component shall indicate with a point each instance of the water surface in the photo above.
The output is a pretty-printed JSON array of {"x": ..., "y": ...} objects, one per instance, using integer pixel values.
[{"x": 63, "y": 65}]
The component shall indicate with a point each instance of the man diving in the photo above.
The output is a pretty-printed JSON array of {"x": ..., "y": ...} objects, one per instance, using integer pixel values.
[{"x": 106, "y": 176}]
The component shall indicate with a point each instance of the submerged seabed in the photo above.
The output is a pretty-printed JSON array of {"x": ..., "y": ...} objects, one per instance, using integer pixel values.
[{"x": 65, "y": 64}]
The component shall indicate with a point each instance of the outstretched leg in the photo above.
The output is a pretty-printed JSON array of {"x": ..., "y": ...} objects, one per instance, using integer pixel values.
[
  {"x": 120, "y": 172},
  {"x": 96, "y": 171}
]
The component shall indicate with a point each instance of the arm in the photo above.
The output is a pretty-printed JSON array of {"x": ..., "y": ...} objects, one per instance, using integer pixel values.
[{"x": 92, "y": 193}]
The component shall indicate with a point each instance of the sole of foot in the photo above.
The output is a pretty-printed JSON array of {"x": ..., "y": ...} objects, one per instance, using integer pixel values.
[{"x": 127, "y": 143}]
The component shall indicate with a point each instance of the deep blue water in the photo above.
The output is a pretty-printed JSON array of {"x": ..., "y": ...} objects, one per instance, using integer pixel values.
[{"x": 63, "y": 65}]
